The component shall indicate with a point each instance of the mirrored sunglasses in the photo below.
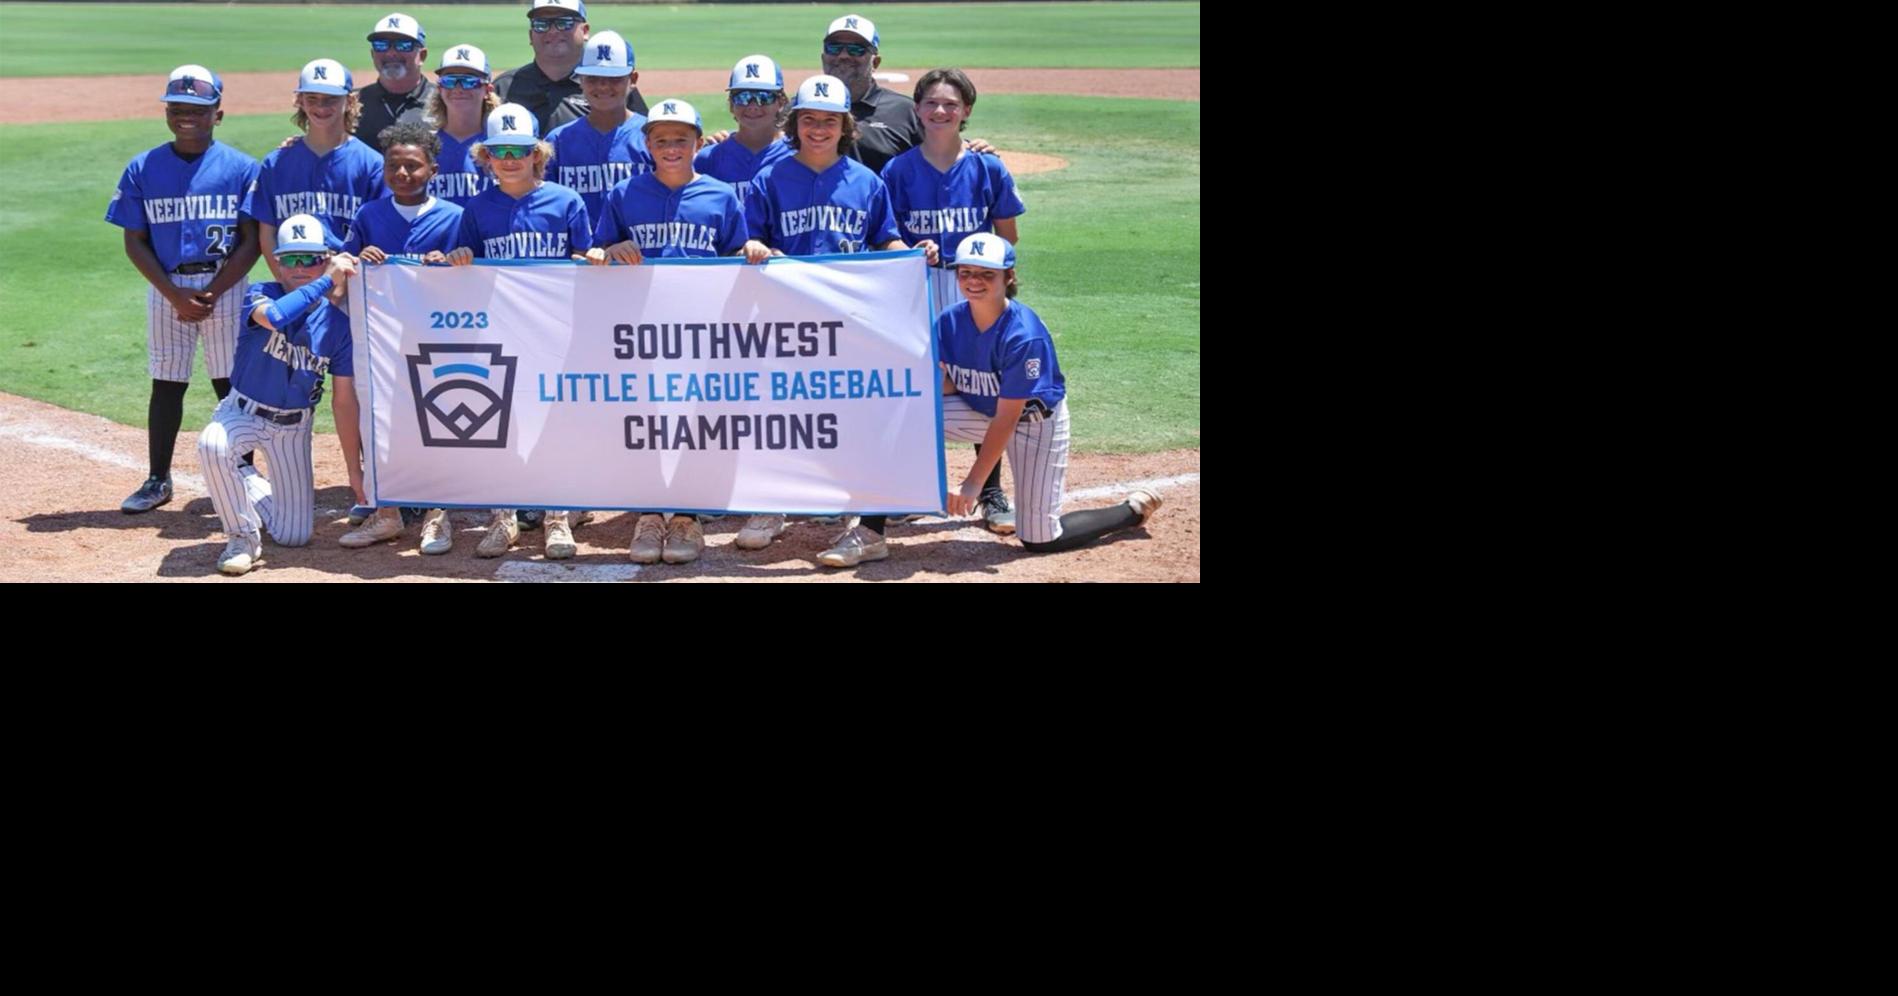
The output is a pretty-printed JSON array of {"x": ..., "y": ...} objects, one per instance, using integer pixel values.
[
  {"x": 856, "y": 49},
  {"x": 510, "y": 151},
  {"x": 745, "y": 98},
  {"x": 461, "y": 82},
  {"x": 400, "y": 44},
  {"x": 303, "y": 258},
  {"x": 191, "y": 86},
  {"x": 542, "y": 25}
]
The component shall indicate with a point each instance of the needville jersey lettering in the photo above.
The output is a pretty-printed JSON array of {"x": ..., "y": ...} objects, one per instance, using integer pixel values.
[{"x": 207, "y": 207}]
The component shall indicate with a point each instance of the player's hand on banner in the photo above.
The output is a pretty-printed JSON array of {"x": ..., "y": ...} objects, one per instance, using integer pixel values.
[
  {"x": 758, "y": 252},
  {"x": 930, "y": 252},
  {"x": 963, "y": 502},
  {"x": 342, "y": 267},
  {"x": 979, "y": 146},
  {"x": 374, "y": 255},
  {"x": 187, "y": 305},
  {"x": 626, "y": 252},
  {"x": 435, "y": 257},
  {"x": 461, "y": 257}
]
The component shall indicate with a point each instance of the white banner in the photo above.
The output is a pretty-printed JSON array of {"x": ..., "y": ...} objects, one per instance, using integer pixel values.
[{"x": 806, "y": 386}]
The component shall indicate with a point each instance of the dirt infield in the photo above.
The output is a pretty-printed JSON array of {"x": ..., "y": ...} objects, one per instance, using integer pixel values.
[
  {"x": 63, "y": 474},
  {"x": 40, "y": 99}
]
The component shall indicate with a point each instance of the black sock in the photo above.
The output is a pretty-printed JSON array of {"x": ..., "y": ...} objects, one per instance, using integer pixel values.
[
  {"x": 875, "y": 523},
  {"x": 1082, "y": 528},
  {"x": 994, "y": 483},
  {"x": 222, "y": 385},
  {"x": 163, "y": 415}
]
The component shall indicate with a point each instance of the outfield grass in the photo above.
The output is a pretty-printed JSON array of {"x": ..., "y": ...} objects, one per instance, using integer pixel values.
[{"x": 71, "y": 39}]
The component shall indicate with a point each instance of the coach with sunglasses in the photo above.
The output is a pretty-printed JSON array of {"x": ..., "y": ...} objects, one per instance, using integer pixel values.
[
  {"x": 402, "y": 91},
  {"x": 886, "y": 120},
  {"x": 558, "y": 31}
]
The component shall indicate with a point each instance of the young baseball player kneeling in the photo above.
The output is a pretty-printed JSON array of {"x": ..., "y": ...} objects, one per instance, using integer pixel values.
[
  {"x": 1003, "y": 388},
  {"x": 293, "y": 336}
]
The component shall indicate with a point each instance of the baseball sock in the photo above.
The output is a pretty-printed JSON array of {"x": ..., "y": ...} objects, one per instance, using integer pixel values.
[
  {"x": 164, "y": 414},
  {"x": 1082, "y": 528},
  {"x": 875, "y": 523},
  {"x": 222, "y": 385},
  {"x": 994, "y": 483}
]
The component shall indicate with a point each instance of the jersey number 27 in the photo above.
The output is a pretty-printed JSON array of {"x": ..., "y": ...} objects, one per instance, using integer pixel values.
[{"x": 218, "y": 239}]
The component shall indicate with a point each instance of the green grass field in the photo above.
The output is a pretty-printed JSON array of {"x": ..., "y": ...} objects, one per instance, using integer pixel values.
[{"x": 1110, "y": 245}]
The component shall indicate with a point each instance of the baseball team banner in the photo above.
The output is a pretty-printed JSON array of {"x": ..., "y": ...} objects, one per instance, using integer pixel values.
[{"x": 802, "y": 386}]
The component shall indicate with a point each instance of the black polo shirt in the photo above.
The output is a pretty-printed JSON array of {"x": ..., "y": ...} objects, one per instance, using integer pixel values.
[
  {"x": 553, "y": 103},
  {"x": 380, "y": 109},
  {"x": 887, "y": 126}
]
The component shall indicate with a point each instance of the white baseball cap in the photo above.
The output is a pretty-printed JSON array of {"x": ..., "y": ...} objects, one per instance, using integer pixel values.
[
  {"x": 465, "y": 57},
  {"x": 822, "y": 93},
  {"x": 512, "y": 124},
  {"x": 400, "y": 24},
  {"x": 756, "y": 72},
  {"x": 986, "y": 249},
  {"x": 605, "y": 54},
  {"x": 575, "y": 7},
  {"x": 193, "y": 85},
  {"x": 855, "y": 24},
  {"x": 677, "y": 111},
  {"x": 325, "y": 76},
  {"x": 302, "y": 233}
]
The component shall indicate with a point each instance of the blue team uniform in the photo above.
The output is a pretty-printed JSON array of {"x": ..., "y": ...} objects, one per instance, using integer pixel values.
[
  {"x": 1013, "y": 359},
  {"x": 731, "y": 162},
  {"x": 802, "y": 213},
  {"x": 949, "y": 206},
  {"x": 458, "y": 178},
  {"x": 591, "y": 162},
  {"x": 188, "y": 209},
  {"x": 380, "y": 224},
  {"x": 550, "y": 222},
  {"x": 702, "y": 218},
  {"x": 285, "y": 368},
  {"x": 334, "y": 187}
]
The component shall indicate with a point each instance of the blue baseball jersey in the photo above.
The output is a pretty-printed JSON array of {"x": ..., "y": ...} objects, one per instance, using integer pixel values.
[
  {"x": 1013, "y": 359},
  {"x": 591, "y": 162},
  {"x": 284, "y": 368},
  {"x": 188, "y": 209},
  {"x": 458, "y": 178},
  {"x": 702, "y": 218},
  {"x": 731, "y": 162},
  {"x": 333, "y": 188},
  {"x": 550, "y": 222},
  {"x": 379, "y": 224},
  {"x": 948, "y": 207},
  {"x": 799, "y": 212}
]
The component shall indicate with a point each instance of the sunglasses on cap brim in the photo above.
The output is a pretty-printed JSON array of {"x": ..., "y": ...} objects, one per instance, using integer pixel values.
[
  {"x": 303, "y": 258},
  {"x": 190, "y": 86},
  {"x": 510, "y": 151}
]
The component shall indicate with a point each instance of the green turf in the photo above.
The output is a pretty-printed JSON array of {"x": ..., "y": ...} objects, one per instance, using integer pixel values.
[{"x": 66, "y": 39}]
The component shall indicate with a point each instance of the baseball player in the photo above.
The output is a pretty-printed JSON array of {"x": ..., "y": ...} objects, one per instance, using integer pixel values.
[
  {"x": 557, "y": 29},
  {"x": 756, "y": 98},
  {"x": 327, "y": 173},
  {"x": 521, "y": 217},
  {"x": 791, "y": 209},
  {"x": 293, "y": 336},
  {"x": 402, "y": 91},
  {"x": 178, "y": 204},
  {"x": 943, "y": 191},
  {"x": 608, "y": 145},
  {"x": 1002, "y": 388},
  {"x": 412, "y": 224},
  {"x": 463, "y": 100},
  {"x": 668, "y": 213}
]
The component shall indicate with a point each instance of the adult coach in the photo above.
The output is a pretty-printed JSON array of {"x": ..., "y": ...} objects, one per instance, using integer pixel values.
[
  {"x": 556, "y": 29},
  {"x": 886, "y": 120},
  {"x": 402, "y": 91}
]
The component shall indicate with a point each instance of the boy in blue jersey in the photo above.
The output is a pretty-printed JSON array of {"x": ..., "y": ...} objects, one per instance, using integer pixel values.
[
  {"x": 464, "y": 97},
  {"x": 521, "y": 217},
  {"x": 755, "y": 95},
  {"x": 293, "y": 337},
  {"x": 178, "y": 204},
  {"x": 328, "y": 172},
  {"x": 594, "y": 153},
  {"x": 410, "y": 224}
]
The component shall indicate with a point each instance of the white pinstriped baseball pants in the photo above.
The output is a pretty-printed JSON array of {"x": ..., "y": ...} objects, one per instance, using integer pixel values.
[
  {"x": 174, "y": 344},
  {"x": 1037, "y": 457},
  {"x": 284, "y": 503},
  {"x": 948, "y": 293}
]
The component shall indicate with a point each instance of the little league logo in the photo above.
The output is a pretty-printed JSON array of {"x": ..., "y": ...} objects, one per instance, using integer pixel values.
[{"x": 463, "y": 394}]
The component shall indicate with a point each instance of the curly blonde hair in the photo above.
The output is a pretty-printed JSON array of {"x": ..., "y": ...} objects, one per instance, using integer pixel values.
[{"x": 352, "y": 113}]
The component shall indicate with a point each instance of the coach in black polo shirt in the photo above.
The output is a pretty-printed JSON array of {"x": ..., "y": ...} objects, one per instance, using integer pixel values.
[
  {"x": 402, "y": 90},
  {"x": 557, "y": 29},
  {"x": 886, "y": 120}
]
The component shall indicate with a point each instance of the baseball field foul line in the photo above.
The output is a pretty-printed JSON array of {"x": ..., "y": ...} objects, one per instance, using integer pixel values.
[
  {"x": 1159, "y": 484},
  {"x": 40, "y": 435}
]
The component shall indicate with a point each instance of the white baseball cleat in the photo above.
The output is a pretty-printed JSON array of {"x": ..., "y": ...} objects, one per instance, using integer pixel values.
[
  {"x": 386, "y": 524},
  {"x": 759, "y": 531},
  {"x": 855, "y": 546},
  {"x": 1144, "y": 503},
  {"x": 241, "y": 554},
  {"x": 438, "y": 534}
]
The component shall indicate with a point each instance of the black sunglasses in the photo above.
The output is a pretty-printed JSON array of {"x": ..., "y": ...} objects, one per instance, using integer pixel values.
[
  {"x": 383, "y": 44},
  {"x": 542, "y": 25},
  {"x": 856, "y": 49}
]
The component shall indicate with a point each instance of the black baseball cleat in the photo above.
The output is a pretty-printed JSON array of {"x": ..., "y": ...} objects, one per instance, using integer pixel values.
[
  {"x": 155, "y": 492},
  {"x": 998, "y": 513}
]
